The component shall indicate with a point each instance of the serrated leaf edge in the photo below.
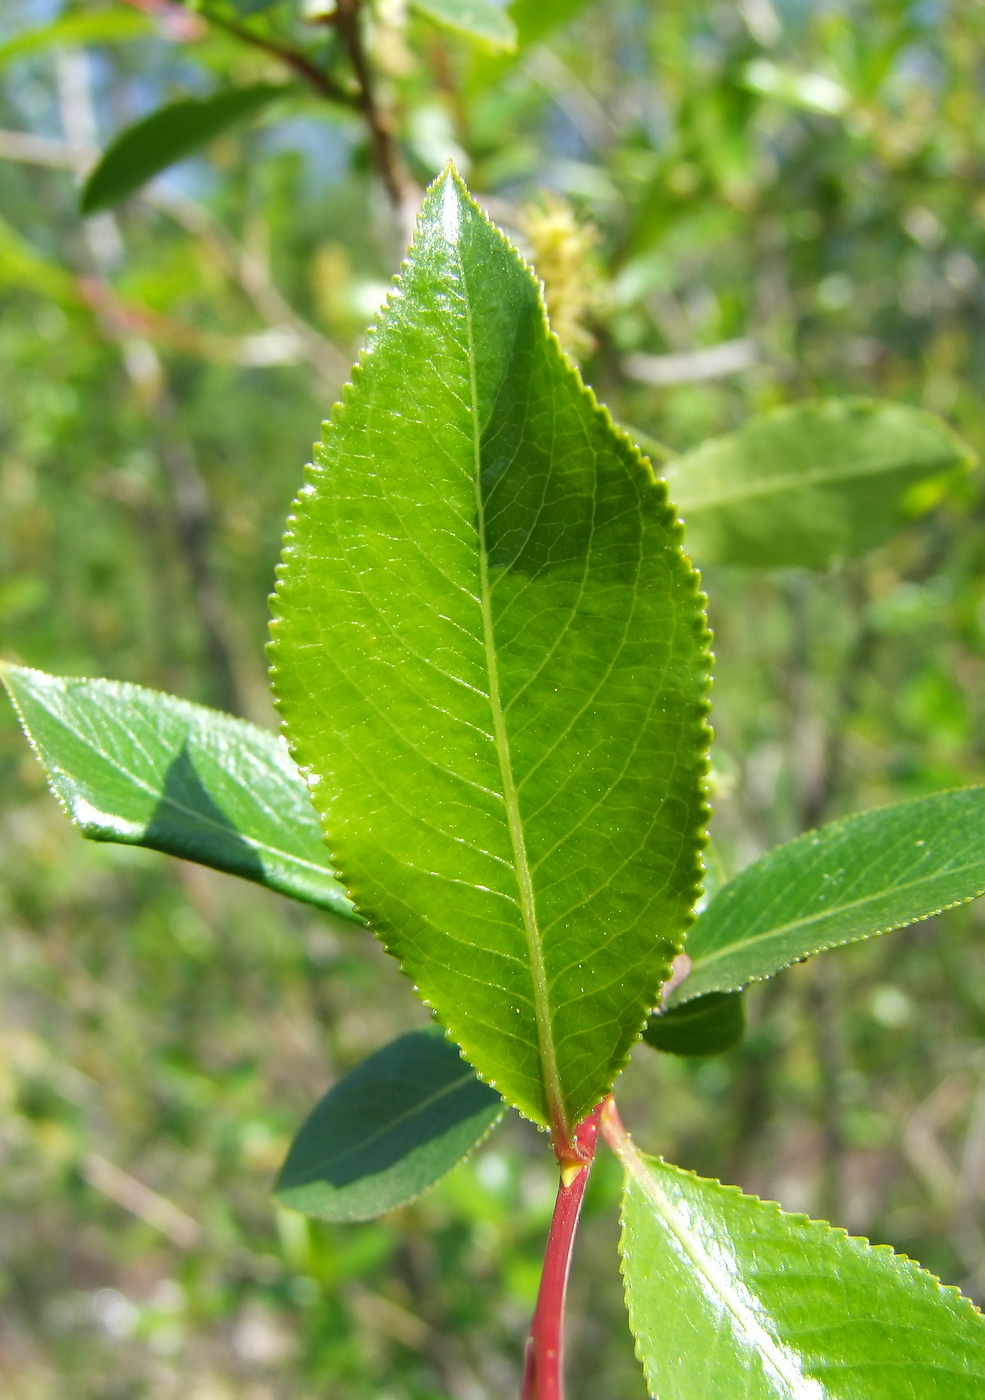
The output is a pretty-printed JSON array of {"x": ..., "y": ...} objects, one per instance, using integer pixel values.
[
  {"x": 131, "y": 833},
  {"x": 682, "y": 995},
  {"x": 635, "y": 1164},
  {"x": 336, "y": 417}
]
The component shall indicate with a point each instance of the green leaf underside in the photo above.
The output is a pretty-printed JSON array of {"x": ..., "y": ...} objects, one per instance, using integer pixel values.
[
  {"x": 806, "y": 484},
  {"x": 133, "y": 766},
  {"x": 708, "y": 1025},
  {"x": 730, "y": 1296},
  {"x": 853, "y": 879},
  {"x": 491, "y": 659},
  {"x": 478, "y": 19},
  {"x": 167, "y": 136},
  {"x": 386, "y": 1132}
]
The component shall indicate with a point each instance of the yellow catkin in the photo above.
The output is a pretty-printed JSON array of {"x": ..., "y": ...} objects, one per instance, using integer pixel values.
[{"x": 563, "y": 253}]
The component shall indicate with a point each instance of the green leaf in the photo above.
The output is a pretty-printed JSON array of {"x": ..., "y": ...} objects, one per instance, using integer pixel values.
[
  {"x": 853, "y": 879},
  {"x": 730, "y": 1296},
  {"x": 810, "y": 483},
  {"x": 477, "y": 19},
  {"x": 491, "y": 658},
  {"x": 96, "y": 27},
  {"x": 389, "y": 1130},
  {"x": 535, "y": 18},
  {"x": 144, "y": 769},
  {"x": 708, "y": 1025},
  {"x": 169, "y": 135}
]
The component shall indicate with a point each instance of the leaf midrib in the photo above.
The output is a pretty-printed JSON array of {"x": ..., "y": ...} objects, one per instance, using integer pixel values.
[
  {"x": 774, "y": 485},
  {"x": 467, "y": 1075},
  {"x": 700, "y": 963},
  {"x": 547, "y": 1049},
  {"x": 161, "y": 799},
  {"x": 775, "y": 1355}
]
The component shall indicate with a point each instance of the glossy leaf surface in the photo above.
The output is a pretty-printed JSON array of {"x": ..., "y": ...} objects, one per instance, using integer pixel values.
[
  {"x": 386, "y": 1132},
  {"x": 478, "y": 19},
  {"x": 167, "y": 136},
  {"x": 810, "y": 483},
  {"x": 491, "y": 658},
  {"x": 708, "y": 1025},
  {"x": 852, "y": 879},
  {"x": 145, "y": 769},
  {"x": 730, "y": 1296}
]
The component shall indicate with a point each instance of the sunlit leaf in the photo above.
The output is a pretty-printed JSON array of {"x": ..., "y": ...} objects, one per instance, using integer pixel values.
[
  {"x": 478, "y": 19},
  {"x": 490, "y": 655},
  {"x": 852, "y": 879},
  {"x": 535, "y": 18},
  {"x": 145, "y": 769},
  {"x": 386, "y": 1132},
  {"x": 810, "y": 483},
  {"x": 95, "y": 27},
  {"x": 730, "y": 1296},
  {"x": 708, "y": 1025},
  {"x": 167, "y": 136}
]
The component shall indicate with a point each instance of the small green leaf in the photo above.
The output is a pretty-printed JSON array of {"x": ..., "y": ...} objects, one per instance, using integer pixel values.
[
  {"x": 810, "y": 483},
  {"x": 169, "y": 135},
  {"x": 145, "y": 769},
  {"x": 95, "y": 27},
  {"x": 477, "y": 19},
  {"x": 708, "y": 1025},
  {"x": 535, "y": 18},
  {"x": 853, "y": 879},
  {"x": 491, "y": 659},
  {"x": 386, "y": 1132},
  {"x": 730, "y": 1296}
]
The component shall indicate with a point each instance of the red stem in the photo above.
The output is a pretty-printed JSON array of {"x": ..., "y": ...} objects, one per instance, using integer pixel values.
[{"x": 543, "y": 1373}]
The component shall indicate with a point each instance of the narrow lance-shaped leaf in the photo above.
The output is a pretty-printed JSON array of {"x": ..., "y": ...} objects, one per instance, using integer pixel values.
[
  {"x": 491, "y": 658},
  {"x": 810, "y": 483},
  {"x": 386, "y": 1132},
  {"x": 855, "y": 878},
  {"x": 730, "y": 1296},
  {"x": 167, "y": 136},
  {"x": 145, "y": 769},
  {"x": 477, "y": 19}
]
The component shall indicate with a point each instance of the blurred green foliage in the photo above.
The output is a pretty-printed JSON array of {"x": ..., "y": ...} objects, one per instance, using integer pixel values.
[{"x": 800, "y": 182}]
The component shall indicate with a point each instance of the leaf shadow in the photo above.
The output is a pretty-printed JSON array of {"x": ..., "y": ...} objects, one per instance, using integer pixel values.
[{"x": 188, "y": 822}]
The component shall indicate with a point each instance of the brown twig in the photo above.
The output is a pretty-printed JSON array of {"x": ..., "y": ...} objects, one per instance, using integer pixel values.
[
  {"x": 385, "y": 152},
  {"x": 298, "y": 62}
]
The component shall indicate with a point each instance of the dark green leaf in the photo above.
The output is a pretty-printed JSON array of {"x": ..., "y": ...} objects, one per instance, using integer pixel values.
[
  {"x": 491, "y": 659},
  {"x": 167, "y": 136},
  {"x": 810, "y": 483},
  {"x": 853, "y": 879},
  {"x": 708, "y": 1025},
  {"x": 145, "y": 769},
  {"x": 730, "y": 1296},
  {"x": 387, "y": 1131},
  {"x": 478, "y": 19}
]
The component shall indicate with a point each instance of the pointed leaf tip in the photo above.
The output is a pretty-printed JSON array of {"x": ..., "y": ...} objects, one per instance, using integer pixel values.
[
  {"x": 140, "y": 768},
  {"x": 486, "y": 643}
]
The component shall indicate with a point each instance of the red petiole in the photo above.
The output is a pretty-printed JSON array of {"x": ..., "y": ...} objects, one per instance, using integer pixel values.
[{"x": 543, "y": 1373}]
